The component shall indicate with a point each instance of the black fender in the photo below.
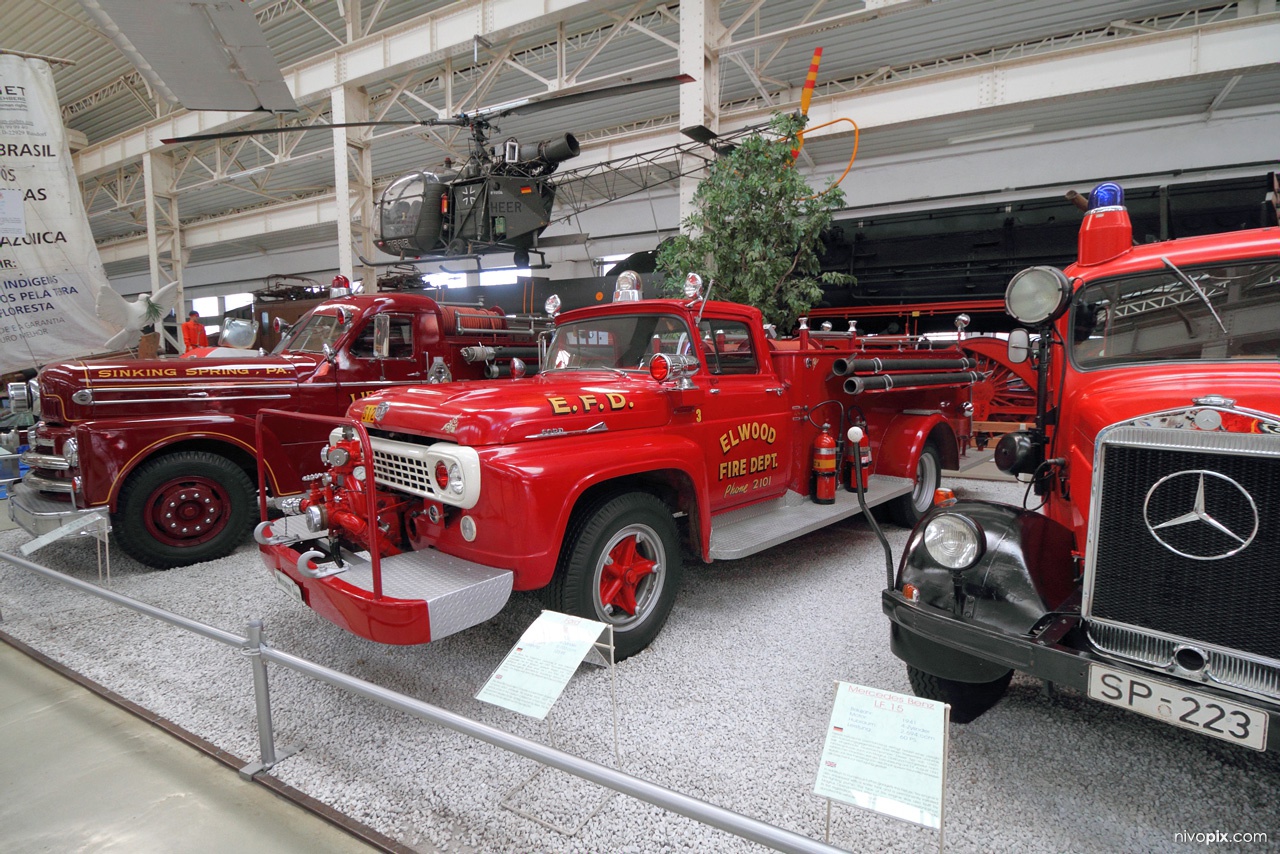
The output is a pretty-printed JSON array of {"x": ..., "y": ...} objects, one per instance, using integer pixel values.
[{"x": 1025, "y": 573}]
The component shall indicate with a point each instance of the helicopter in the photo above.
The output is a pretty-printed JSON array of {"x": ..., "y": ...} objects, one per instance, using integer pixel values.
[{"x": 500, "y": 199}]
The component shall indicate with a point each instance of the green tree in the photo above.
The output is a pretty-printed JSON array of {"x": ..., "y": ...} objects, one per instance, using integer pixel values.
[{"x": 755, "y": 228}]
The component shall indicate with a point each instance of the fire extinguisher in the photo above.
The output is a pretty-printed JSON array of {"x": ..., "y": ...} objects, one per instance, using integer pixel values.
[
  {"x": 864, "y": 457},
  {"x": 822, "y": 481}
]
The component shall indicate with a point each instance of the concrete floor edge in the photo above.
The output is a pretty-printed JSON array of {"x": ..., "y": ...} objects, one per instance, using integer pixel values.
[{"x": 300, "y": 799}]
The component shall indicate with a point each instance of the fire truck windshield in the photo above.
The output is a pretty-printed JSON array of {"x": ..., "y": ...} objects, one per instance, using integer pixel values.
[
  {"x": 617, "y": 343},
  {"x": 1189, "y": 314},
  {"x": 313, "y": 333}
]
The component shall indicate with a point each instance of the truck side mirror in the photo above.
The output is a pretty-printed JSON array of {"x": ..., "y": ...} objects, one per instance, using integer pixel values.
[
  {"x": 381, "y": 336},
  {"x": 1019, "y": 346}
]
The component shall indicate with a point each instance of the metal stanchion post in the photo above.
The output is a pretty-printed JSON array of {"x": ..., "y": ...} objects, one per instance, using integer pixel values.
[{"x": 262, "y": 695}]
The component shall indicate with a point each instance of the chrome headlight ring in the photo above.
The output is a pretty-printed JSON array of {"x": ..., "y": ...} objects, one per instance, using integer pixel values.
[{"x": 954, "y": 542}]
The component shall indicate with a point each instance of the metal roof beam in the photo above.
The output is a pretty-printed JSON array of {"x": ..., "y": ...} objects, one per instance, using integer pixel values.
[
  {"x": 1221, "y": 49},
  {"x": 391, "y": 52}
]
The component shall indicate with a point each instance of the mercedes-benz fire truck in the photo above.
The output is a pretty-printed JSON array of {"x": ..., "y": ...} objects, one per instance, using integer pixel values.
[
  {"x": 656, "y": 427},
  {"x": 1142, "y": 570}
]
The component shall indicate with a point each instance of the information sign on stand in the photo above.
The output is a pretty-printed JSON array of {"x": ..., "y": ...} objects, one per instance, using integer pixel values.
[
  {"x": 536, "y": 670},
  {"x": 886, "y": 752},
  {"x": 534, "y": 675}
]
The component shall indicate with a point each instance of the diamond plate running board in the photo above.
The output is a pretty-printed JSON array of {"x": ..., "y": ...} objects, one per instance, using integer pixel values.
[{"x": 744, "y": 532}]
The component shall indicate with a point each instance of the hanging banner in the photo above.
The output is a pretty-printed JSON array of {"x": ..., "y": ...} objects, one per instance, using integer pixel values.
[{"x": 50, "y": 272}]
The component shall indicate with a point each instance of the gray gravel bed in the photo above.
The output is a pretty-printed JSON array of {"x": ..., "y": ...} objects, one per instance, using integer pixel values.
[{"x": 730, "y": 705}]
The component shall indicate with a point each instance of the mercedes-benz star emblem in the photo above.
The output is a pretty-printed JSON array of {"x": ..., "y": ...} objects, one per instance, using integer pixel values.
[{"x": 1208, "y": 529}]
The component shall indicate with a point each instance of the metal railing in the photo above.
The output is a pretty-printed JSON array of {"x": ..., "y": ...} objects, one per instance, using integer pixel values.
[{"x": 259, "y": 653}]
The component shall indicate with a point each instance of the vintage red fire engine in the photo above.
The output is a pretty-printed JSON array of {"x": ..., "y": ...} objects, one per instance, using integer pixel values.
[
  {"x": 1145, "y": 574},
  {"x": 167, "y": 445},
  {"x": 656, "y": 426}
]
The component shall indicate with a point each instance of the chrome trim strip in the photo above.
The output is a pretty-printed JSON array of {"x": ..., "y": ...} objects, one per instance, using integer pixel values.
[
  {"x": 151, "y": 387},
  {"x": 194, "y": 399},
  {"x": 45, "y": 461},
  {"x": 44, "y": 484}
]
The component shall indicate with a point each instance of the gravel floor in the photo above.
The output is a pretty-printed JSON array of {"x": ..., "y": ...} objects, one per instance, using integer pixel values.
[{"x": 729, "y": 705}]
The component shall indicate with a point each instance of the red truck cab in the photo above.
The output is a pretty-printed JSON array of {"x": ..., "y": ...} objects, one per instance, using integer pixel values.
[
  {"x": 166, "y": 445},
  {"x": 656, "y": 427},
  {"x": 1142, "y": 573}
]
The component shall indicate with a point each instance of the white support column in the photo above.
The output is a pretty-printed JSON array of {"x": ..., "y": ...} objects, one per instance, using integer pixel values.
[
  {"x": 700, "y": 100},
  {"x": 164, "y": 233},
  {"x": 353, "y": 185}
]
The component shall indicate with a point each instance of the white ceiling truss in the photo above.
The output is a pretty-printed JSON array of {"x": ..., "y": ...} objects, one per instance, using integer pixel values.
[{"x": 915, "y": 75}]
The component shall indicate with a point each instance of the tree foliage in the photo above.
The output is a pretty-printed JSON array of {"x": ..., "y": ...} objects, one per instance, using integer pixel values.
[{"x": 755, "y": 228}]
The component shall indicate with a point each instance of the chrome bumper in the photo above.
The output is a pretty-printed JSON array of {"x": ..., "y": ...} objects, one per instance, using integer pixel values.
[{"x": 38, "y": 515}]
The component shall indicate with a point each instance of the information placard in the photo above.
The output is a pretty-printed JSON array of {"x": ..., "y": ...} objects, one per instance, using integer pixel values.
[
  {"x": 885, "y": 752},
  {"x": 536, "y": 670},
  {"x": 13, "y": 222}
]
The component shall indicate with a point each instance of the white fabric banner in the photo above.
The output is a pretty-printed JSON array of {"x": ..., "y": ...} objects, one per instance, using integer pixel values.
[{"x": 50, "y": 272}]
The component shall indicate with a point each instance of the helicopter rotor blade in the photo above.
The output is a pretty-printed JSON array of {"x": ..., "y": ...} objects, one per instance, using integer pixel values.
[
  {"x": 236, "y": 134},
  {"x": 525, "y": 106}
]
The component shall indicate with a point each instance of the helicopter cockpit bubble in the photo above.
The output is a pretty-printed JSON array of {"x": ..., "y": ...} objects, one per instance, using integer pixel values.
[{"x": 410, "y": 214}]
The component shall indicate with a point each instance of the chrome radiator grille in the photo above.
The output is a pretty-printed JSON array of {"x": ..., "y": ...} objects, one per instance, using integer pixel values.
[
  {"x": 1236, "y": 671},
  {"x": 402, "y": 466},
  {"x": 1184, "y": 539}
]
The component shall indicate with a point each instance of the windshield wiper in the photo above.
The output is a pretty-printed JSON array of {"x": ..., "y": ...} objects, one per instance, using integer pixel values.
[{"x": 1189, "y": 282}]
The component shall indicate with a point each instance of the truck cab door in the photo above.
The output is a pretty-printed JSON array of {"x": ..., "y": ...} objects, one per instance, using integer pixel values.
[
  {"x": 745, "y": 418},
  {"x": 403, "y": 363}
]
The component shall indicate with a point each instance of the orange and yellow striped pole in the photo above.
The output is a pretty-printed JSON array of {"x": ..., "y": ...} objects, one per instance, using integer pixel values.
[{"x": 806, "y": 95}]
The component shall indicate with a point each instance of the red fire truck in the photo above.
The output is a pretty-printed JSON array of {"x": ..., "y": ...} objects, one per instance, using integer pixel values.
[
  {"x": 656, "y": 427},
  {"x": 1142, "y": 570},
  {"x": 167, "y": 445}
]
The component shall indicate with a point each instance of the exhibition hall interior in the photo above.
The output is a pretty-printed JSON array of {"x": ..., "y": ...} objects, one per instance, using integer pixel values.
[{"x": 639, "y": 426}]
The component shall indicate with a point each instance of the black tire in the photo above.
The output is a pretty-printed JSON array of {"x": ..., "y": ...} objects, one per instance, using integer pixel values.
[
  {"x": 907, "y": 510},
  {"x": 634, "y": 520},
  {"x": 967, "y": 699},
  {"x": 184, "y": 508}
]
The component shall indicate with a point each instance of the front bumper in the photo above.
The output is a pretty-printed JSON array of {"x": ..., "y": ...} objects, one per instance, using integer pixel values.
[
  {"x": 39, "y": 515},
  {"x": 939, "y": 643},
  {"x": 426, "y": 595}
]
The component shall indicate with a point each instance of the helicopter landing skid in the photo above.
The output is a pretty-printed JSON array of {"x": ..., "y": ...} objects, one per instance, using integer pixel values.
[{"x": 480, "y": 268}]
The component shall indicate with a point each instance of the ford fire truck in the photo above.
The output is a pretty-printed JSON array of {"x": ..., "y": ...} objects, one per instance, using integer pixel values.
[
  {"x": 166, "y": 446},
  {"x": 656, "y": 427},
  {"x": 1144, "y": 572}
]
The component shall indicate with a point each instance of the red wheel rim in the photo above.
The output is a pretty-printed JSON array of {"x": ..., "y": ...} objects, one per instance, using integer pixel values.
[
  {"x": 629, "y": 575},
  {"x": 187, "y": 512}
]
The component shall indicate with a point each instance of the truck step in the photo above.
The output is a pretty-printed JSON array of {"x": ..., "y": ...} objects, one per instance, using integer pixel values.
[
  {"x": 739, "y": 533},
  {"x": 458, "y": 594}
]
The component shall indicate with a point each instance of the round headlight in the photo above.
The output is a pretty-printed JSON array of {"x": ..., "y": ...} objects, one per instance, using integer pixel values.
[
  {"x": 953, "y": 541},
  {"x": 455, "y": 479},
  {"x": 1037, "y": 295},
  {"x": 337, "y": 456},
  {"x": 71, "y": 452},
  {"x": 442, "y": 475}
]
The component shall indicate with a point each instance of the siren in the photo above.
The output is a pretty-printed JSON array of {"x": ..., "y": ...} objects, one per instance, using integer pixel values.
[{"x": 1106, "y": 231}]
